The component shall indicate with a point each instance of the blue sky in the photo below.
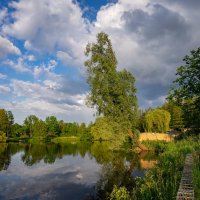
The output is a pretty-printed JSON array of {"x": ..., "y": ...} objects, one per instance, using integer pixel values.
[{"x": 42, "y": 50}]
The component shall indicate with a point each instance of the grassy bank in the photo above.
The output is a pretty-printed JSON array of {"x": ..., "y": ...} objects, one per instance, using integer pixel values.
[
  {"x": 65, "y": 139},
  {"x": 161, "y": 182},
  {"x": 196, "y": 173}
]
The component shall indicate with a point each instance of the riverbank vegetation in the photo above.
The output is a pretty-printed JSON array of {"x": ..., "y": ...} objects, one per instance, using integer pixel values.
[{"x": 162, "y": 182}]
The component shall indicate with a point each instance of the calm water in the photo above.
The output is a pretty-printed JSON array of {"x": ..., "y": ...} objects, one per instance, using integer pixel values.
[{"x": 69, "y": 171}]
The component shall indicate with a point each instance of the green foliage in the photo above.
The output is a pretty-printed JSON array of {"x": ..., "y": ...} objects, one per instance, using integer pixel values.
[
  {"x": 119, "y": 194},
  {"x": 186, "y": 90},
  {"x": 196, "y": 173},
  {"x": 53, "y": 127},
  {"x": 2, "y": 136},
  {"x": 156, "y": 120},
  {"x": 39, "y": 129},
  {"x": 70, "y": 129},
  {"x": 29, "y": 123},
  {"x": 107, "y": 130},
  {"x": 102, "y": 129},
  {"x": 162, "y": 182},
  {"x": 3, "y": 121},
  {"x": 10, "y": 122},
  {"x": 65, "y": 139},
  {"x": 112, "y": 93},
  {"x": 6, "y": 121},
  {"x": 177, "y": 121},
  {"x": 18, "y": 130}
]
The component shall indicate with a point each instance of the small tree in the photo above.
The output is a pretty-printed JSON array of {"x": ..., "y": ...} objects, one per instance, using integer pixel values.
[
  {"x": 29, "y": 123},
  {"x": 4, "y": 123},
  {"x": 177, "y": 121},
  {"x": 53, "y": 127},
  {"x": 157, "y": 120}
]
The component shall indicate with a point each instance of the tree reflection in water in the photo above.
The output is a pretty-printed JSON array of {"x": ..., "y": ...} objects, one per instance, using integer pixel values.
[{"x": 116, "y": 167}]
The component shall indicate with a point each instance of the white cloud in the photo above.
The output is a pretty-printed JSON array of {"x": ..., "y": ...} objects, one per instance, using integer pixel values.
[
  {"x": 3, "y": 14},
  {"x": 47, "y": 98},
  {"x": 19, "y": 66},
  {"x": 30, "y": 57},
  {"x": 150, "y": 39},
  {"x": 7, "y": 47},
  {"x": 50, "y": 26},
  {"x": 4, "y": 89},
  {"x": 3, "y": 76}
]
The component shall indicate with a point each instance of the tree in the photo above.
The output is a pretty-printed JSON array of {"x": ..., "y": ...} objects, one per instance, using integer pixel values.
[
  {"x": 186, "y": 89},
  {"x": 18, "y": 130},
  {"x": 29, "y": 123},
  {"x": 10, "y": 122},
  {"x": 2, "y": 136},
  {"x": 177, "y": 121},
  {"x": 102, "y": 129},
  {"x": 112, "y": 93},
  {"x": 53, "y": 127},
  {"x": 157, "y": 120},
  {"x": 3, "y": 121},
  {"x": 39, "y": 128}
]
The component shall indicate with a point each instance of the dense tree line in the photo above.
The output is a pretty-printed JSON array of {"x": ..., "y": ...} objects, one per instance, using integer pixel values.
[{"x": 35, "y": 127}]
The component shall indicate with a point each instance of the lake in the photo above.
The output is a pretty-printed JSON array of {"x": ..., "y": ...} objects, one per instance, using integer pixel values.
[{"x": 67, "y": 171}]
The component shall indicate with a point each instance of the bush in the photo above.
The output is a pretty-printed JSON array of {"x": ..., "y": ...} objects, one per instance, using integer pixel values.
[
  {"x": 120, "y": 194},
  {"x": 2, "y": 136}
]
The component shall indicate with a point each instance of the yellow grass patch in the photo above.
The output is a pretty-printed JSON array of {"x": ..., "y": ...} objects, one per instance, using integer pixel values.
[{"x": 155, "y": 136}]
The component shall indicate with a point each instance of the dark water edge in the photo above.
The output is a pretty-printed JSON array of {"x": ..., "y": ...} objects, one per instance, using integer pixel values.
[{"x": 67, "y": 171}]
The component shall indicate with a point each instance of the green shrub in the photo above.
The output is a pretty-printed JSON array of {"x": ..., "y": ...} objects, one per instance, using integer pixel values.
[
  {"x": 2, "y": 136},
  {"x": 120, "y": 194}
]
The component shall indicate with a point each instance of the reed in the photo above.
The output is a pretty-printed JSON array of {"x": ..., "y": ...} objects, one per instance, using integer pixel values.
[{"x": 162, "y": 182}]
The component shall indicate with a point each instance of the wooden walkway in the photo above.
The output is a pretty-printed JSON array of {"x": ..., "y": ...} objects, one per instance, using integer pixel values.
[{"x": 186, "y": 191}]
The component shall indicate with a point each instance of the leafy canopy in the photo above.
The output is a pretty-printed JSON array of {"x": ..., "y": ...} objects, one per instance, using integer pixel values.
[
  {"x": 112, "y": 92},
  {"x": 157, "y": 120},
  {"x": 186, "y": 89}
]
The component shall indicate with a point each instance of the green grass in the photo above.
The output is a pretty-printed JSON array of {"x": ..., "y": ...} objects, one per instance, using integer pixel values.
[
  {"x": 65, "y": 139},
  {"x": 196, "y": 173},
  {"x": 162, "y": 182}
]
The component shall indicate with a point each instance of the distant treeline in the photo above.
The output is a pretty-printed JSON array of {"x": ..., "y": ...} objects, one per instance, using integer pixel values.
[
  {"x": 35, "y": 127},
  {"x": 161, "y": 119}
]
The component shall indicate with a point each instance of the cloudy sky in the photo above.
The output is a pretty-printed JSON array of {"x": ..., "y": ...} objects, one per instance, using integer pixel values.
[{"x": 42, "y": 46}]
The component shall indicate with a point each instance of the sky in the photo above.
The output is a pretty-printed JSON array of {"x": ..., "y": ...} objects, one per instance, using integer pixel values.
[{"x": 42, "y": 45}]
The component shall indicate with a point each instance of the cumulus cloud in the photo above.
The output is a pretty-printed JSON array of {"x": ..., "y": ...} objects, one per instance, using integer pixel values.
[
  {"x": 49, "y": 26},
  {"x": 7, "y": 47},
  {"x": 47, "y": 98},
  {"x": 4, "y": 89},
  {"x": 18, "y": 66},
  {"x": 150, "y": 40}
]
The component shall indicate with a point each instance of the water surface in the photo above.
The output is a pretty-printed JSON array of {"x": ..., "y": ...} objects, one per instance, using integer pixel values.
[{"x": 65, "y": 171}]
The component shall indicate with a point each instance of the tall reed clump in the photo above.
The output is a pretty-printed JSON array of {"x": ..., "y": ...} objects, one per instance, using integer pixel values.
[{"x": 162, "y": 182}]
